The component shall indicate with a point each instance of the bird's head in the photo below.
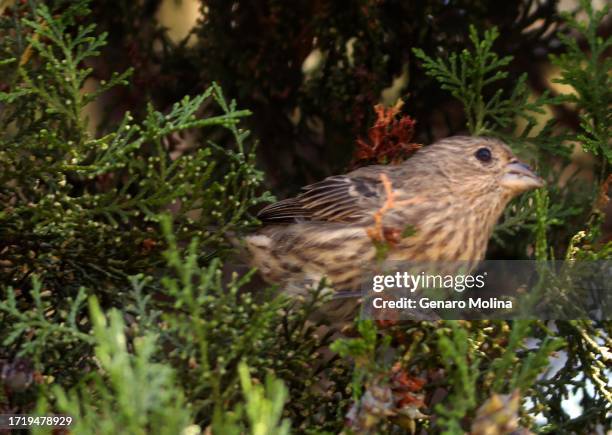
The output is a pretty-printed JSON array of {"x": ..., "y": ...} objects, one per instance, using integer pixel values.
[{"x": 481, "y": 165}]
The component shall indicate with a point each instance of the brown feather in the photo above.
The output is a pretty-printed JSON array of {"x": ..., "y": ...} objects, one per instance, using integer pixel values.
[{"x": 449, "y": 197}]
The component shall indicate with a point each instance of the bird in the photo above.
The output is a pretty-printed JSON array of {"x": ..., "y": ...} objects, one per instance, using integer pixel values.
[{"x": 449, "y": 194}]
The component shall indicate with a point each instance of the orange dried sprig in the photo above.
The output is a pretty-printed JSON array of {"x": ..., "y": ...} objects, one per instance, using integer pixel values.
[
  {"x": 389, "y": 139},
  {"x": 377, "y": 233},
  {"x": 380, "y": 233}
]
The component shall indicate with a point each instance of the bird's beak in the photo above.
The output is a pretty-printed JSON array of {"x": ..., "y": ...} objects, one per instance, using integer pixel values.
[{"x": 519, "y": 177}]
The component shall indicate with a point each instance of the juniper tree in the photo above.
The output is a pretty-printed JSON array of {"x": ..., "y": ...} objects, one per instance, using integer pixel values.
[{"x": 113, "y": 306}]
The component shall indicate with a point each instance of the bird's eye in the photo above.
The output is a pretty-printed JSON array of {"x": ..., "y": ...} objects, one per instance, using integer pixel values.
[{"x": 483, "y": 154}]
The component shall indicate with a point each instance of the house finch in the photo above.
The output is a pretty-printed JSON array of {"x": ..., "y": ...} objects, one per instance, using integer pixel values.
[{"x": 450, "y": 193}]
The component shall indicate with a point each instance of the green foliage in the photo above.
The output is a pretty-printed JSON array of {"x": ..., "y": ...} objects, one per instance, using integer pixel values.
[
  {"x": 209, "y": 326},
  {"x": 131, "y": 393},
  {"x": 506, "y": 374},
  {"x": 45, "y": 332},
  {"x": 514, "y": 368},
  {"x": 200, "y": 332},
  {"x": 527, "y": 211},
  {"x": 60, "y": 82},
  {"x": 84, "y": 216},
  {"x": 471, "y": 75},
  {"x": 474, "y": 359},
  {"x": 585, "y": 361},
  {"x": 263, "y": 408},
  {"x": 364, "y": 351},
  {"x": 589, "y": 75},
  {"x": 73, "y": 196},
  {"x": 463, "y": 372},
  {"x": 465, "y": 75},
  {"x": 542, "y": 224}
]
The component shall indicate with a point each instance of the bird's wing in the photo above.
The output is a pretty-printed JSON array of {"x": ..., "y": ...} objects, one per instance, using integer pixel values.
[{"x": 342, "y": 198}]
